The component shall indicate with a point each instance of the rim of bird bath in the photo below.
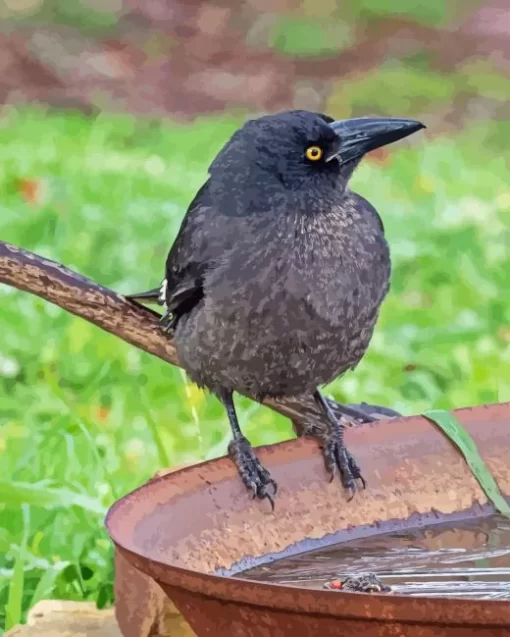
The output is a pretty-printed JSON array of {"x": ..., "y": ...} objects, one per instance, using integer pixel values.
[{"x": 189, "y": 530}]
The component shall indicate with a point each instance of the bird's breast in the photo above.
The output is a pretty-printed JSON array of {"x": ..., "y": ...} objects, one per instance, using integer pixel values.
[
  {"x": 289, "y": 308},
  {"x": 315, "y": 278}
]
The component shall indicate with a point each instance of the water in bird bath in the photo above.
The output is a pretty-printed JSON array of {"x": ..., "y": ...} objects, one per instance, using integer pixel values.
[{"x": 469, "y": 560}]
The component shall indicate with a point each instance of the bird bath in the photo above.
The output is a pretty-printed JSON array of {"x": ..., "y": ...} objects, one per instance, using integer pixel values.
[{"x": 182, "y": 536}]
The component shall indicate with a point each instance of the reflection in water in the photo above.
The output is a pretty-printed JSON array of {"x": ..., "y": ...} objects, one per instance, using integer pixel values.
[{"x": 469, "y": 560}]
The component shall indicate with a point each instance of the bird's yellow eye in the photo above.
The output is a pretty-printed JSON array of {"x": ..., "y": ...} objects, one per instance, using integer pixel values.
[{"x": 313, "y": 153}]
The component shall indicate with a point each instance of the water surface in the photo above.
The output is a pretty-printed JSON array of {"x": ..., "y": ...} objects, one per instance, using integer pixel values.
[{"x": 469, "y": 560}]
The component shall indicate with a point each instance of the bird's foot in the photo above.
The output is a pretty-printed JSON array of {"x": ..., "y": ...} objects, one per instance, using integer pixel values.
[
  {"x": 168, "y": 322},
  {"x": 338, "y": 458},
  {"x": 255, "y": 477}
]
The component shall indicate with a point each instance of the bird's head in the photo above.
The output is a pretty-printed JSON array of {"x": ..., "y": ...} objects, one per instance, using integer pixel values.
[{"x": 300, "y": 151}]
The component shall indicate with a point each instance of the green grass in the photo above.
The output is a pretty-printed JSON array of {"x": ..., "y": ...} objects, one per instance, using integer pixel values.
[
  {"x": 85, "y": 418},
  {"x": 431, "y": 13}
]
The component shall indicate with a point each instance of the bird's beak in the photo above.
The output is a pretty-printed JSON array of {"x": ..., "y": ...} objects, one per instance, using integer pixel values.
[{"x": 361, "y": 135}]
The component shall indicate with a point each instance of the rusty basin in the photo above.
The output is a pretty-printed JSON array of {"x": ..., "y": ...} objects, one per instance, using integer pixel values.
[{"x": 180, "y": 536}]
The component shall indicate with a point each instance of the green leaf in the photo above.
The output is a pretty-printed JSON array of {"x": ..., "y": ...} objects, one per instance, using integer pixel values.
[
  {"x": 104, "y": 596},
  {"x": 5, "y": 541},
  {"x": 14, "y": 606},
  {"x": 12, "y": 494},
  {"x": 70, "y": 573},
  {"x": 86, "y": 572},
  {"x": 458, "y": 435},
  {"x": 45, "y": 585},
  {"x": 164, "y": 458}
]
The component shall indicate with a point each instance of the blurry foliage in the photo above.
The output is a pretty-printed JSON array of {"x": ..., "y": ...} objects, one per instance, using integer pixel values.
[
  {"x": 86, "y": 418},
  {"x": 309, "y": 36},
  {"x": 479, "y": 77},
  {"x": 121, "y": 55},
  {"x": 411, "y": 87},
  {"x": 429, "y": 12},
  {"x": 392, "y": 88},
  {"x": 87, "y": 15},
  {"x": 93, "y": 14}
]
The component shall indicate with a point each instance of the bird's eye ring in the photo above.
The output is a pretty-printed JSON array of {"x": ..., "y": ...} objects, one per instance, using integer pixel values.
[{"x": 313, "y": 153}]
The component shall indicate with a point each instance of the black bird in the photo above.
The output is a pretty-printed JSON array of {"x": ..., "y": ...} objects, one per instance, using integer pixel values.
[{"x": 274, "y": 282}]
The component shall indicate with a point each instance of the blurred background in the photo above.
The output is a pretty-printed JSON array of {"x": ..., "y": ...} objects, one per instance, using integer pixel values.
[
  {"x": 110, "y": 112},
  {"x": 447, "y": 59}
]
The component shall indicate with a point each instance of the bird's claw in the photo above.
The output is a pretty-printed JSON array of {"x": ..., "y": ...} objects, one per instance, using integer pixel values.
[
  {"x": 167, "y": 322},
  {"x": 255, "y": 477},
  {"x": 338, "y": 459}
]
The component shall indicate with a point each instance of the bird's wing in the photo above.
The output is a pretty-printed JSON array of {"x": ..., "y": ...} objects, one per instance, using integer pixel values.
[
  {"x": 362, "y": 204},
  {"x": 185, "y": 261},
  {"x": 188, "y": 257}
]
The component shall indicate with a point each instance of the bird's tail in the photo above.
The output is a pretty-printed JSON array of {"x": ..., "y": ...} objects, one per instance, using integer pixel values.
[{"x": 150, "y": 296}]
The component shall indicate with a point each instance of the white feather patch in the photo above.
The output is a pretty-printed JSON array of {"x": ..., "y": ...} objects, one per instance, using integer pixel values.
[{"x": 162, "y": 292}]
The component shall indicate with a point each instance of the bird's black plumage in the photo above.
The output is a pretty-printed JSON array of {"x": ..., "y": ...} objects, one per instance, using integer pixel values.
[{"x": 274, "y": 282}]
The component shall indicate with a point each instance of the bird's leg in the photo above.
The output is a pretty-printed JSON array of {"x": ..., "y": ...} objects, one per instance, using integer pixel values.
[
  {"x": 255, "y": 477},
  {"x": 349, "y": 411},
  {"x": 336, "y": 455}
]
